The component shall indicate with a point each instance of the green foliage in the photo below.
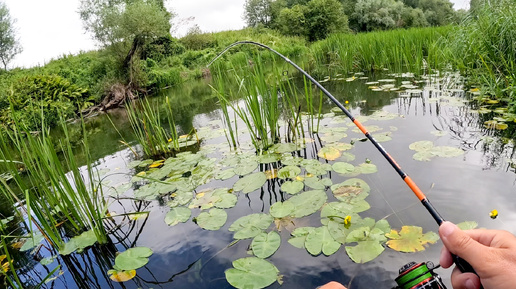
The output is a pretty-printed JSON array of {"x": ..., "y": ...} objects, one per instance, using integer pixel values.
[
  {"x": 43, "y": 96},
  {"x": 372, "y": 15},
  {"x": 196, "y": 40},
  {"x": 162, "y": 47},
  {"x": 258, "y": 12},
  {"x": 9, "y": 45}
]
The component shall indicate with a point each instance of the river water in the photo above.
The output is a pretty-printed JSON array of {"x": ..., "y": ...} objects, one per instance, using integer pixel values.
[{"x": 462, "y": 188}]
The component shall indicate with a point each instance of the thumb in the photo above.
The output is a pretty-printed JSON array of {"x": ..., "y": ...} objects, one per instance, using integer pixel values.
[{"x": 460, "y": 243}]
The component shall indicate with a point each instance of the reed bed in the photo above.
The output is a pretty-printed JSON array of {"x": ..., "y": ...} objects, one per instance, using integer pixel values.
[
  {"x": 397, "y": 50},
  {"x": 57, "y": 192}
]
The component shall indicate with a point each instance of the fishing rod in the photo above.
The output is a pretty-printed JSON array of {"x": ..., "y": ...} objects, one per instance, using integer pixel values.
[{"x": 461, "y": 263}]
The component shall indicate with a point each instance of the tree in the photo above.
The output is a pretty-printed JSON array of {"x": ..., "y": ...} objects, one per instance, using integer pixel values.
[
  {"x": 376, "y": 15},
  {"x": 9, "y": 45},
  {"x": 292, "y": 21},
  {"x": 124, "y": 27},
  {"x": 438, "y": 12},
  {"x": 324, "y": 17},
  {"x": 258, "y": 12}
]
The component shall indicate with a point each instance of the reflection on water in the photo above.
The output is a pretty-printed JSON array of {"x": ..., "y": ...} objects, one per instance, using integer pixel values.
[{"x": 461, "y": 188}]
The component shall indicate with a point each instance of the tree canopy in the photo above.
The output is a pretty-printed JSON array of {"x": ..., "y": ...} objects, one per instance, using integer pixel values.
[{"x": 9, "y": 45}]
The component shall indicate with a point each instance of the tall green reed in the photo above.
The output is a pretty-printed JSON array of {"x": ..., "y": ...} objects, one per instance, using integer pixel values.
[
  {"x": 146, "y": 121},
  {"x": 484, "y": 46},
  {"x": 396, "y": 50},
  {"x": 56, "y": 190}
]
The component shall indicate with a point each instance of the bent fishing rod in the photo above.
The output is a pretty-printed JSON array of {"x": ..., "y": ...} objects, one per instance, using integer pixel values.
[{"x": 461, "y": 263}]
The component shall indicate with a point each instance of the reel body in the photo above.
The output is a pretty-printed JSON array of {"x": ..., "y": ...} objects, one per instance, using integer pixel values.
[{"x": 419, "y": 276}]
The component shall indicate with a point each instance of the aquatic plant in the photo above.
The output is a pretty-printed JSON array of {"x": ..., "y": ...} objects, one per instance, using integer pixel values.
[
  {"x": 57, "y": 191},
  {"x": 154, "y": 138}
]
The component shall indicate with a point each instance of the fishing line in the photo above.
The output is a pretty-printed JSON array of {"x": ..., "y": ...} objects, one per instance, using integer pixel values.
[{"x": 461, "y": 264}]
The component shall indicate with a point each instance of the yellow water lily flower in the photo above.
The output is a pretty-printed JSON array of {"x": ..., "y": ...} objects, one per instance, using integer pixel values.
[
  {"x": 347, "y": 220},
  {"x": 493, "y": 214}
]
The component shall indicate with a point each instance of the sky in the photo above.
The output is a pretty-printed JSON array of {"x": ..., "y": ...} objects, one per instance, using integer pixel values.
[{"x": 48, "y": 29}]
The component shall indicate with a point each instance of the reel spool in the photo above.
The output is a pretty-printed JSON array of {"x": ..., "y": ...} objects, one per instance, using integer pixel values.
[{"x": 419, "y": 276}]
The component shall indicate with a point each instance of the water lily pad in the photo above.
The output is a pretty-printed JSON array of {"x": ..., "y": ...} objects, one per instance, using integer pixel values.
[
  {"x": 251, "y": 273},
  {"x": 79, "y": 243},
  {"x": 410, "y": 239},
  {"x": 343, "y": 168},
  {"x": 423, "y": 156},
  {"x": 383, "y": 137},
  {"x": 318, "y": 184},
  {"x": 121, "y": 276},
  {"x": 299, "y": 236},
  {"x": 289, "y": 172},
  {"x": 447, "y": 152},
  {"x": 282, "y": 209},
  {"x": 419, "y": 146},
  {"x": 32, "y": 242},
  {"x": 285, "y": 148},
  {"x": 308, "y": 203},
  {"x": 439, "y": 132},
  {"x": 469, "y": 225},
  {"x": 250, "y": 226},
  {"x": 180, "y": 198},
  {"x": 316, "y": 168},
  {"x": 329, "y": 153},
  {"x": 293, "y": 187},
  {"x": 351, "y": 189},
  {"x": 246, "y": 168},
  {"x": 250, "y": 183},
  {"x": 365, "y": 251},
  {"x": 265, "y": 244},
  {"x": 269, "y": 158},
  {"x": 212, "y": 220},
  {"x": 226, "y": 174},
  {"x": 368, "y": 168},
  {"x": 153, "y": 190},
  {"x": 132, "y": 259},
  {"x": 177, "y": 215},
  {"x": 320, "y": 241},
  {"x": 347, "y": 157}
]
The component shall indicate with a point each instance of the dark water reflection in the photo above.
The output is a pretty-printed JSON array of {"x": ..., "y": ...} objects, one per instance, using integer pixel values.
[{"x": 462, "y": 189}]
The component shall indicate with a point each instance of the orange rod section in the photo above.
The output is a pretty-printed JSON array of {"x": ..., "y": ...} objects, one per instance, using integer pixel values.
[
  {"x": 415, "y": 188},
  {"x": 360, "y": 126}
]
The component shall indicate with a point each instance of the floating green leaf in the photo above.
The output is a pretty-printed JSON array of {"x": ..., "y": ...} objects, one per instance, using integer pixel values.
[
  {"x": 329, "y": 153},
  {"x": 469, "y": 225},
  {"x": 285, "y": 148},
  {"x": 410, "y": 239},
  {"x": 316, "y": 168},
  {"x": 250, "y": 183},
  {"x": 320, "y": 240},
  {"x": 226, "y": 174},
  {"x": 419, "y": 146},
  {"x": 289, "y": 172},
  {"x": 177, "y": 215},
  {"x": 250, "y": 226},
  {"x": 32, "y": 242},
  {"x": 180, "y": 198},
  {"x": 246, "y": 168},
  {"x": 447, "y": 152},
  {"x": 282, "y": 209},
  {"x": 318, "y": 184},
  {"x": 343, "y": 168},
  {"x": 266, "y": 244},
  {"x": 365, "y": 251},
  {"x": 368, "y": 168},
  {"x": 212, "y": 220},
  {"x": 351, "y": 189},
  {"x": 251, "y": 273},
  {"x": 423, "y": 156},
  {"x": 347, "y": 157},
  {"x": 308, "y": 202},
  {"x": 79, "y": 243},
  {"x": 132, "y": 259},
  {"x": 293, "y": 187},
  {"x": 269, "y": 158},
  {"x": 299, "y": 236}
]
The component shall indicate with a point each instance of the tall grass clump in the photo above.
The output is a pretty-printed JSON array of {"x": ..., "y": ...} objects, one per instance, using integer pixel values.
[
  {"x": 57, "y": 192},
  {"x": 396, "y": 50},
  {"x": 484, "y": 47},
  {"x": 157, "y": 137},
  {"x": 264, "y": 99}
]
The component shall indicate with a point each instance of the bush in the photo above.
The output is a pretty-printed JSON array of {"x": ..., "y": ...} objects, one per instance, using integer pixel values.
[
  {"x": 196, "y": 40},
  {"x": 162, "y": 48}
]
